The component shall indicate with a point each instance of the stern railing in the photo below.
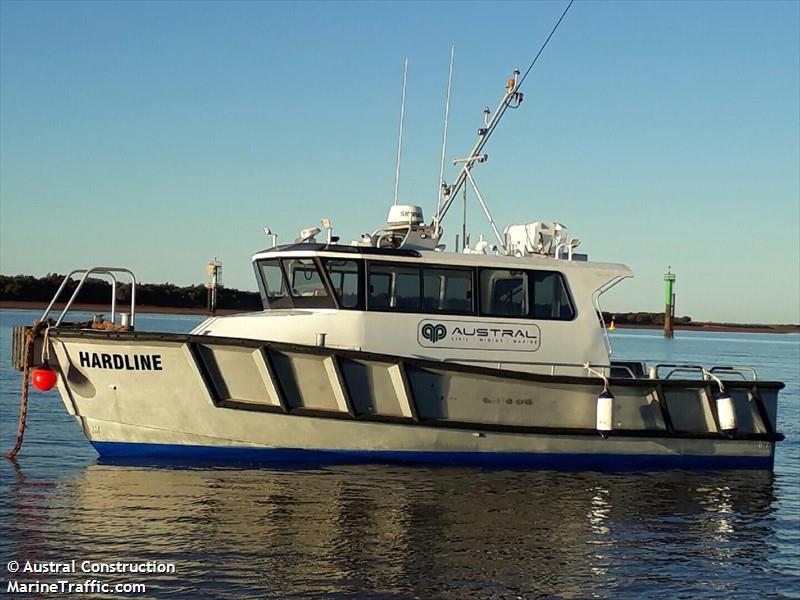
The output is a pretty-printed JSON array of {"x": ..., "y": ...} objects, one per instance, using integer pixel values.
[
  {"x": 111, "y": 273},
  {"x": 703, "y": 372}
]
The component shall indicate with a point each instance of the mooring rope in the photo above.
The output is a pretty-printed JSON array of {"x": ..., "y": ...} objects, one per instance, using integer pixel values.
[{"x": 27, "y": 364}]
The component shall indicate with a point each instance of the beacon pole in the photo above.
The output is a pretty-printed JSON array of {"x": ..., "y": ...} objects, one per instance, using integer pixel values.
[{"x": 669, "y": 309}]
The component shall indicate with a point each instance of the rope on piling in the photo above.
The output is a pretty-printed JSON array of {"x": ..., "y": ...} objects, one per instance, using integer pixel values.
[
  {"x": 28, "y": 363},
  {"x": 30, "y": 339}
]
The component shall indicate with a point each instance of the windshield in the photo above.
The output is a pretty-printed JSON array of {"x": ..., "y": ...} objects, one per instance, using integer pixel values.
[{"x": 293, "y": 283}]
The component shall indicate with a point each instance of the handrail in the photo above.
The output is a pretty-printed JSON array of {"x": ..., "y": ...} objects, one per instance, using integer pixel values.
[
  {"x": 736, "y": 371},
  {"x": 60, "y": 289},
  {"x": 564, "y": 245},
  {"x": 107, "y": 271},
  {"x": 677, "y": 368},
  {"x": 552, "y": 365},
  {"x": 706, "y": 373},
  {"x": 596, "y": 301}
]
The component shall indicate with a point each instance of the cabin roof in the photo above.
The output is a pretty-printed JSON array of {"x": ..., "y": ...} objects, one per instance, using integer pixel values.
[
  {"x": 336, "y": 248},
  {"x": 452, "y": 258}
]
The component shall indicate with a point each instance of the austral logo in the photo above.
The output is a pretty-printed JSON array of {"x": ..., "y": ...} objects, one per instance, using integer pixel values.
[
  {"x": 521, "y": 337},
  {"x": 123, "y": 362},
  {"x": 433, "y": 332}
]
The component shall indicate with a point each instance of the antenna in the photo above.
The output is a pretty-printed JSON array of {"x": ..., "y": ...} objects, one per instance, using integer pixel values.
[
  {"x": 269, "y": 234},
  {"x": 464, "y": 222},
  {"x": 512, "y": 98},
  {"x": 442, "y": 182},
  {"x": 400, "y": 135}
]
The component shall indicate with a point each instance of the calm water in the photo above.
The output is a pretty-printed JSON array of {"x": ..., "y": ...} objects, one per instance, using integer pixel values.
[{"x": 401, "y": 532}]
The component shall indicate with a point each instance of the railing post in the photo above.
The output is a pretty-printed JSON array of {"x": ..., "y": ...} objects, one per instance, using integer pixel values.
[
  {"x": 107, "y": 271},
  {"x": 113, "y": 297},
  {"x": 67, "y": 277},
  {"x": 662, "y": 404}
]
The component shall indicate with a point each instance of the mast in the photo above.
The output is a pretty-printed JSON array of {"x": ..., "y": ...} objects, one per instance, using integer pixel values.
[
  {"x": 512, "y": 95},
  {"x": 400, "y": 135},
  {"x": 442, "y": 182},
  {"x": 512, "y": 98}
]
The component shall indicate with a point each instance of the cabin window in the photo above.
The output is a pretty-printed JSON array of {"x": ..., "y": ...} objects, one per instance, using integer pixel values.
[
  {"x": 306, "y": 287},
  {"x": 394, "y": 287},
  {"x": 447, "y": 290},
  {"x": 401, "y": 287},
  {"x": 276, "y": 293},
  {"x": 345, "y": 277},
  {"x": 306, "y": 280},
  {"x": 549, "y": 297},
  {"x": 504, "y": 293},
  {"x": 531, "y": 294}
]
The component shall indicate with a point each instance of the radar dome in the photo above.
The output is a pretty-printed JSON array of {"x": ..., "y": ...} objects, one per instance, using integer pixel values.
[{"x": 404, "y": 214}]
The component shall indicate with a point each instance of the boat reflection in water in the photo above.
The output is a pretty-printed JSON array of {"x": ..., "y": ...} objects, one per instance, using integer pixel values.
[{"x": 411, "y": 532}]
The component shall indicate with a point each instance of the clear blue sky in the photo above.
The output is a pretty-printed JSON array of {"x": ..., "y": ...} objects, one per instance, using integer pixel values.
[{"x": 159, "y": 135}]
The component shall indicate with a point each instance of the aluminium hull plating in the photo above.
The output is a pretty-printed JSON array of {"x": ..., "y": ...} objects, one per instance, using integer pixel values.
[
  {"x": 316, "y": 440},
  {"x": 222, "y": 399}
]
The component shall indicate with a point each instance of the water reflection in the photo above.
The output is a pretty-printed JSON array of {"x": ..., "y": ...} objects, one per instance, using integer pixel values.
[
  {"x": 378, "y": 531},
  {"x": 405, "y": 531}
]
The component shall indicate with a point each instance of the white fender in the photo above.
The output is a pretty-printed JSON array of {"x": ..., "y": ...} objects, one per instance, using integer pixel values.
[
  {"x": 726, "y": 412},
  {"x": 605, "y": 412}
]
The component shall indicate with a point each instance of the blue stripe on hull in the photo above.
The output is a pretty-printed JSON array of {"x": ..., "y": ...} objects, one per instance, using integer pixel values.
[{"x": 617, "y": 462}]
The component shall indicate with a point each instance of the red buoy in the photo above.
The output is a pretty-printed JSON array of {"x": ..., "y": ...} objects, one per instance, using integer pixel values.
[{"x": 44, "y": 378}]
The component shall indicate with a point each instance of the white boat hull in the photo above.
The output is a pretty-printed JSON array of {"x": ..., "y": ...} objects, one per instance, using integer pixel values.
[
  {"x": 213, "y": 398},
  {"x": 393, "y": 443}
]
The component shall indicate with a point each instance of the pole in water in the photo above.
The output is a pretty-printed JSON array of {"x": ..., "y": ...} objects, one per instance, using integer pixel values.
[
  {"x": 669, "y": 310},
  {"x": 400, "y": 135},
  {"x": 27, "y": 367},
  {"x": 215, "y": 276}
]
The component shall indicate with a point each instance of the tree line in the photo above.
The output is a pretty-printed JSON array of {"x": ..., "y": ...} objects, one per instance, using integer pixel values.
[
  {"x": 26, "y": 288},
  {"x": 642, "y": 318}
]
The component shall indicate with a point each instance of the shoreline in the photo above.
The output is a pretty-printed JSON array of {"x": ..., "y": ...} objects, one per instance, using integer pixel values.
[
  {"x": 121, "y": 307},
  {"x": 166, "y": 310},
  {"x": 718, "y": 328}
]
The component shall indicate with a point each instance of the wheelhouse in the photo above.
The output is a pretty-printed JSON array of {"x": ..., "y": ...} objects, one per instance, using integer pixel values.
[{"x": 391, "y": 282}]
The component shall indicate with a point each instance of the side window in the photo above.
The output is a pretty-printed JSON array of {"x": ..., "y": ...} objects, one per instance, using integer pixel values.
[
  {"x": 549, "y": 298},
  {"x": 380, "y": 289},
  {"x": 277, "y": 295},
  {"x": 394, "y": 287},
  {"x": 304, "y": 277},
  {"x": 504, "y": 293},
  {"x": 447, "y": 290},
  {"x": 345, "y": 276}
]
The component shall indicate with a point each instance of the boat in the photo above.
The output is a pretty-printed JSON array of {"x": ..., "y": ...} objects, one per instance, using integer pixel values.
[{"x": 391, "y": 348}]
